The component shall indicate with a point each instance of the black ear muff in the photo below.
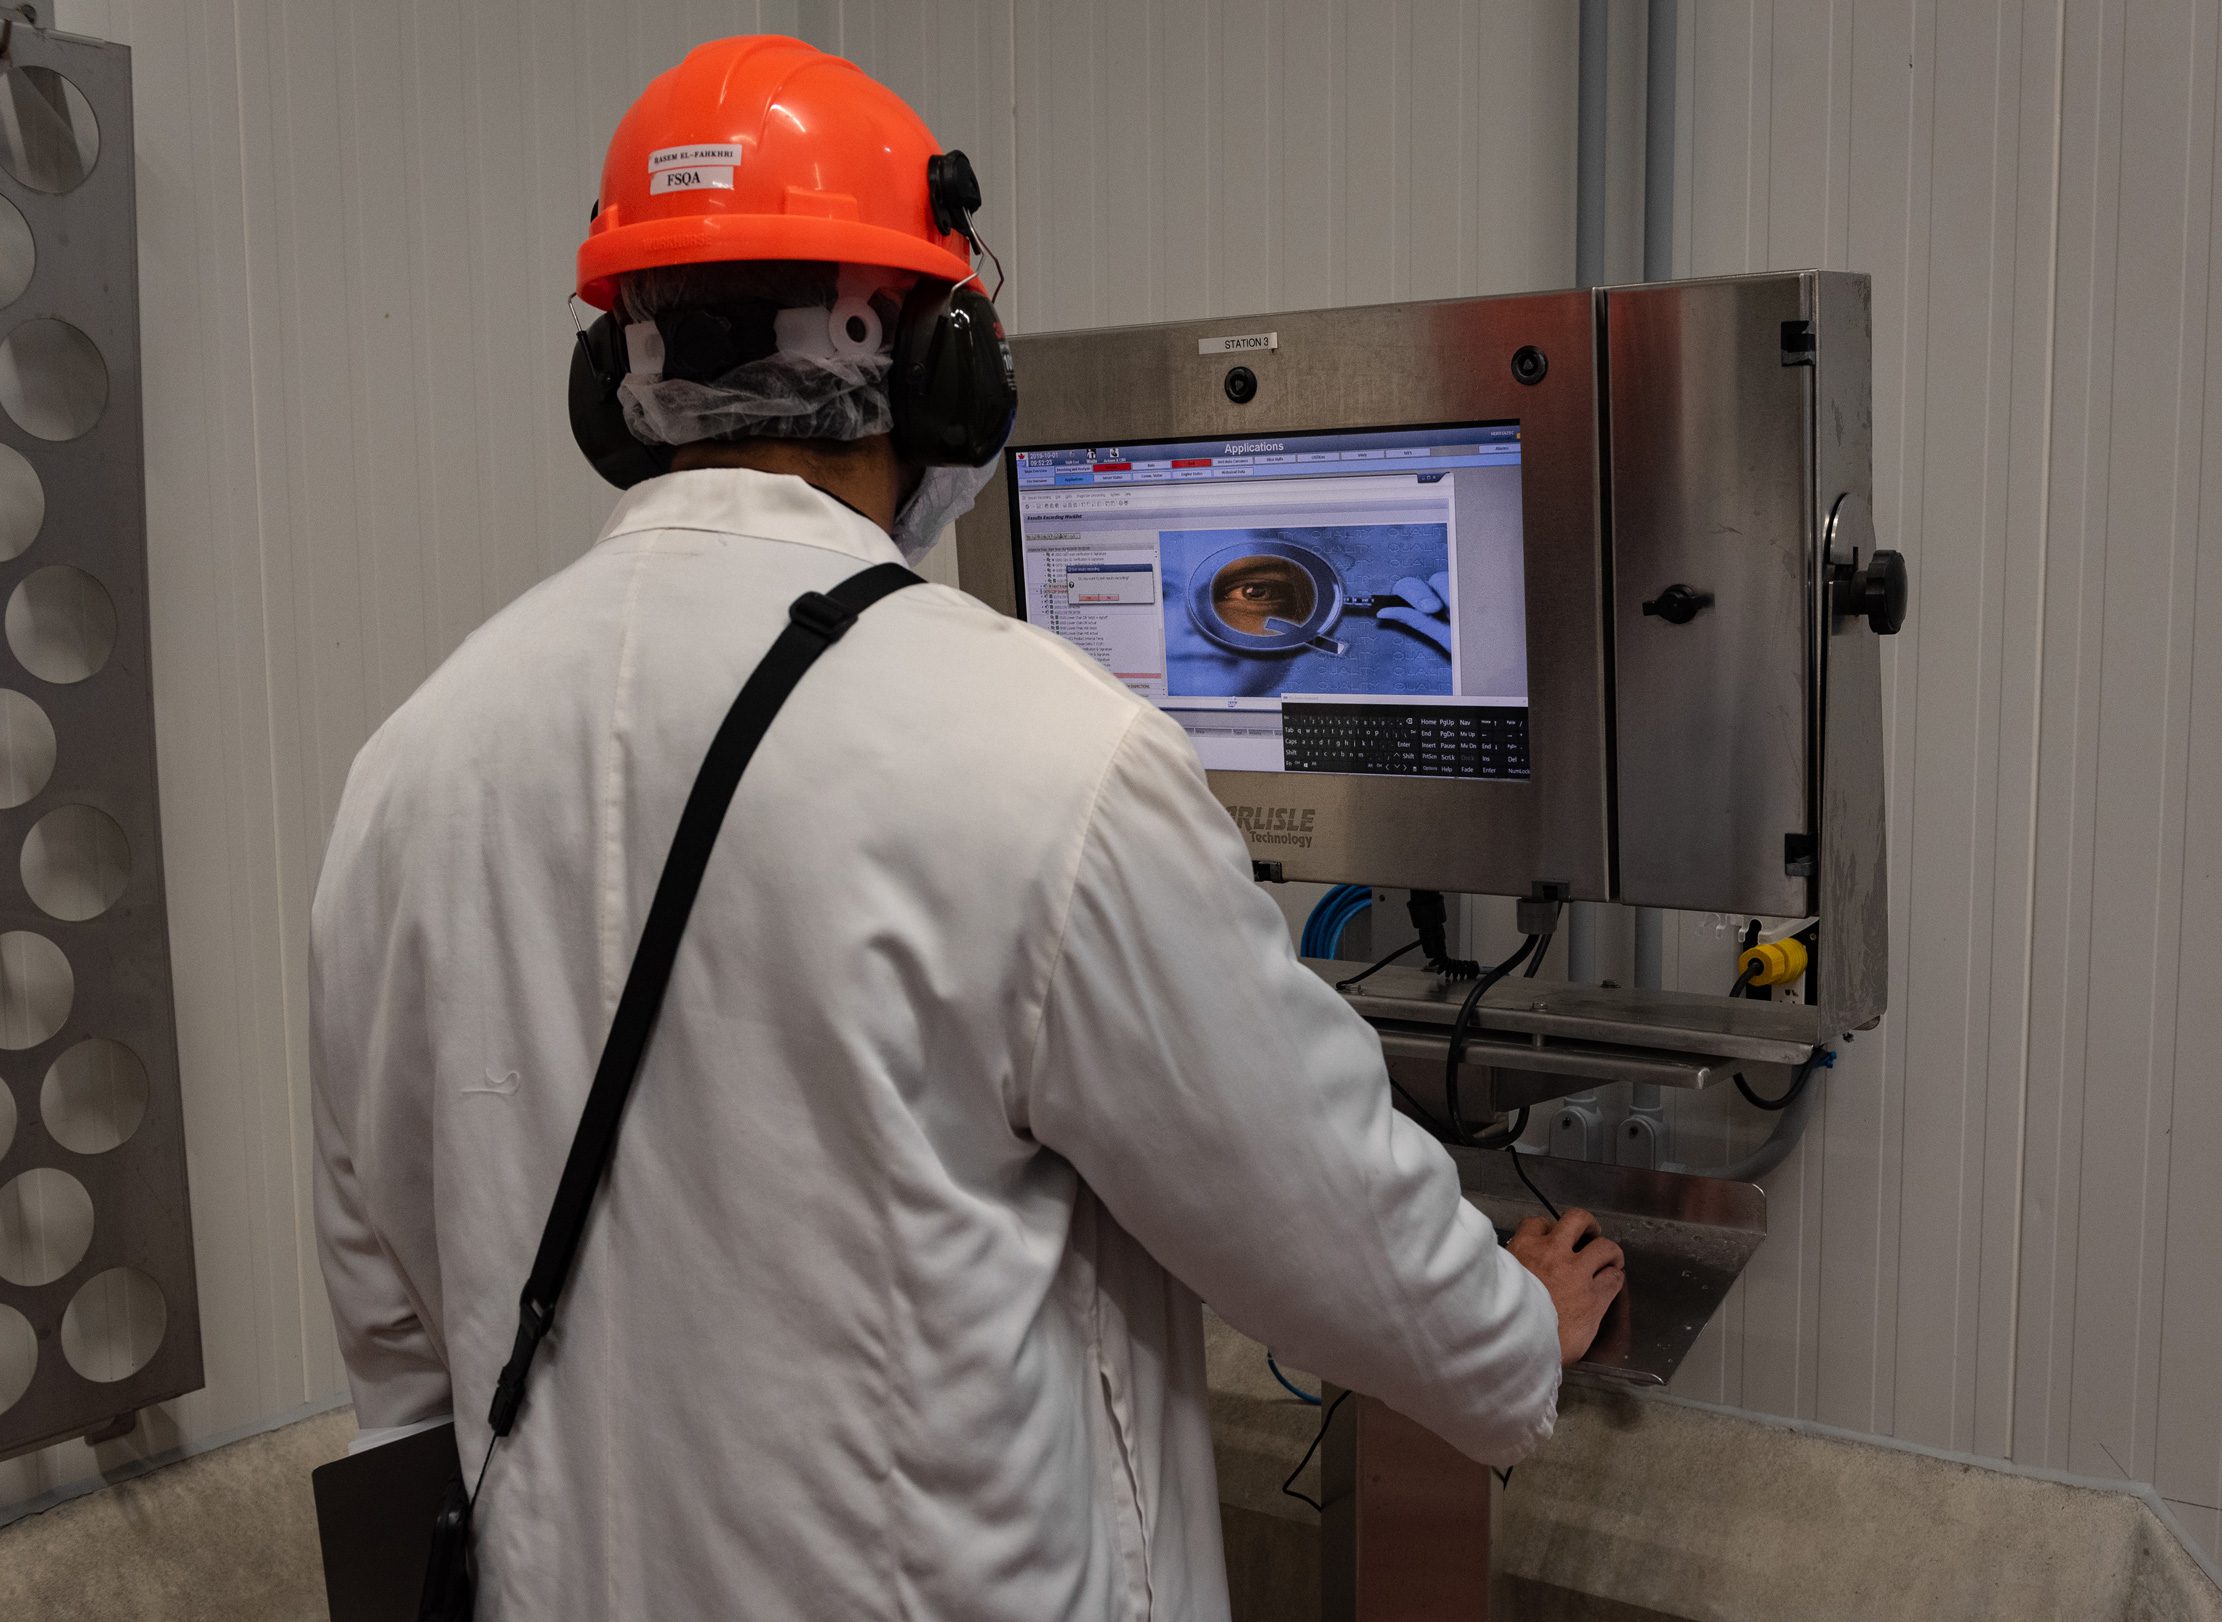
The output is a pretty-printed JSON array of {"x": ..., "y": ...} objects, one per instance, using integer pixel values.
[
  {"x": 598, "y": 365},
  {"x": 953, "y": 389}
]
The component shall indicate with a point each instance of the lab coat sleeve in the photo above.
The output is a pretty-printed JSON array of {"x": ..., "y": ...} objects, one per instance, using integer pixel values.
[
  {"x": 394, "y": 1367},
  {"x": 1234, "y": 1116}
]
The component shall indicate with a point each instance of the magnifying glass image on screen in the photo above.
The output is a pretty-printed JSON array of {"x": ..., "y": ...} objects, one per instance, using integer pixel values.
[
  {"x": 1337, "y": 608},
  {"x": 1274, "y": 597}
]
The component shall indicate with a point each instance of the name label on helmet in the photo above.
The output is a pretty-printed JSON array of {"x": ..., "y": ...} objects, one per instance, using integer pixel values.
[
  {"x": 1230, "y": 346},
  {"x": 692, "y": 168}
]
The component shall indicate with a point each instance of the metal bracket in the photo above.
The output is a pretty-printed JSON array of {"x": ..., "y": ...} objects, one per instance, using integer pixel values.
[{"x": 115, "y": 1430}]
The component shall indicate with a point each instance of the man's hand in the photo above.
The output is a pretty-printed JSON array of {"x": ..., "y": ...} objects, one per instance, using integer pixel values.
[
  {"x": 1429, "y": 614},
  {"x": 1582, "y": 1282}
]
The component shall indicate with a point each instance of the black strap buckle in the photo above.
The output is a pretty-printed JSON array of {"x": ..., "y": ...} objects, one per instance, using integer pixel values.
[
  {"x": 534, "y": 1320},
  {"x": 820, "y": 615}
]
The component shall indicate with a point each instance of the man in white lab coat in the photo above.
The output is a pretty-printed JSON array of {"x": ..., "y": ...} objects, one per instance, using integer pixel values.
[{"x": 983, "y": 1058}]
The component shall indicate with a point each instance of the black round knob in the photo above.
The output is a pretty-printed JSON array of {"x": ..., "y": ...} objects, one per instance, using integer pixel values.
[
  {"x": 1678, "y": 604},
  {"x": 1883, "y": 593},
  {"x": 1242, "y": 385},
  {"x": 1530, "y": 365}
]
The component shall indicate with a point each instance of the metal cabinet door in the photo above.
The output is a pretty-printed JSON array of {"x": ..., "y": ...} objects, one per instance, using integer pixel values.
[{"x": 1710, "y": 475}]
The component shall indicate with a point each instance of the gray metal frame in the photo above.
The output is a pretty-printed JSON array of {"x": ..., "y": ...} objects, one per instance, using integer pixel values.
[
  {"x": 1382, "y": 366},
  {"x": 87, "y": 275}
]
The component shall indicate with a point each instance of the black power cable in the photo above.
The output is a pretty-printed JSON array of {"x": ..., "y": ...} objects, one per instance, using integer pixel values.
[
  {"x": 1435, "y": 1128},
  {"x": 1532, "y": 946},
  {"x": 1326, "y": 1418},
  {"x": 1798, "y": 1083},
  {"x": 1520, "y": 1165},
  {"x": 1430, "y": 915},
  {"x": 1372, "y": 969}
]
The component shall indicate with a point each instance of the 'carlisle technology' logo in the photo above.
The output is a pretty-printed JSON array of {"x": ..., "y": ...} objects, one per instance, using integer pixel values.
[{"x": 1275, "y": 824}]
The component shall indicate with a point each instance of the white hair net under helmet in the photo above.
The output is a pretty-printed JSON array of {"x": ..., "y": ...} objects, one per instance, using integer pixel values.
[
  {"x": 826, "y": 379},
  {"x": 832, "y": 331}
]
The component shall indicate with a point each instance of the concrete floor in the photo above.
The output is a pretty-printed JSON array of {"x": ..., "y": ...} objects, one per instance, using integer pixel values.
[
  {"x": 1645, "y": 1510},
  {"x": 228, "y": 1536},
  {"x": 1637, "y": 1511}
]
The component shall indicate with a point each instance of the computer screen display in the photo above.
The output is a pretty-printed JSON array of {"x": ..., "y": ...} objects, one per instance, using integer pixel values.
[{"x": 1347, "y": 602}]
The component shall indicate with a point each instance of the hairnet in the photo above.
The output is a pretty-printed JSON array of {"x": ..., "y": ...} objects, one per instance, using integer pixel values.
[{"x": 776, "y": 395}]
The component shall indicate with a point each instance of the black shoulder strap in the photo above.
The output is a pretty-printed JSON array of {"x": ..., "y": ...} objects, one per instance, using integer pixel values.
[{"x": 816, "y": 621}]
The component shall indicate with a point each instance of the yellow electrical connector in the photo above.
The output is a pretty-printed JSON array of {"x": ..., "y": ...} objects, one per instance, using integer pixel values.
[{"x": 1774, "y": 963}]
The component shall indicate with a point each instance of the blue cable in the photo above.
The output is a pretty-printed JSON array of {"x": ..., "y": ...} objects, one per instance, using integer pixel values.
[
  {"x": 1343, "y": 919},
  {"x": 1313, "y": 941},
  {"x": 1288, "y": 1385}
]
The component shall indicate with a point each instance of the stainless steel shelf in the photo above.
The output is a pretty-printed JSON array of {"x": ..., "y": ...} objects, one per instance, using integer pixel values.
[
  {"x": 1686, "y": 1238},
  {"x": 1608, "y": 1017}
]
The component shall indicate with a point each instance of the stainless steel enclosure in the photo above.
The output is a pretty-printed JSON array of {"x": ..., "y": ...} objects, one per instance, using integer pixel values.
[{"x": 1705, "y": 717}]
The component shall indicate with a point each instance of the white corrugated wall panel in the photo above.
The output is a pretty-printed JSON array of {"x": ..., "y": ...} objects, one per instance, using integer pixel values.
[
  {"x": 2022, "y": 1173},
  {"x": 356, "y": 228}
]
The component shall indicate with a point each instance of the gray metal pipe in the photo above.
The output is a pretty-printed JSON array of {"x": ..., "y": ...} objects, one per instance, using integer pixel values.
[
  {"x": 1789, "y": 1128},
  {"x": 1662, "y": 28},
  {"x": 1591, "y": 92}
]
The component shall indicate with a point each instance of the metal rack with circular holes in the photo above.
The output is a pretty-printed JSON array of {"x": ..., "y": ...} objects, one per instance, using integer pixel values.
[{"x": 99, "y": 1316}]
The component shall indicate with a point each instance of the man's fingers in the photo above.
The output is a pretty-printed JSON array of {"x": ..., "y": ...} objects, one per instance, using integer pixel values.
[
  {"x": 1601, "y": 1254},
  {"x": 1573, "y": 1227},
  {"x": 1533, "y": 1228},
  {"x": 1417, "y": 592},
  {"x": 1435, "y": 630}
]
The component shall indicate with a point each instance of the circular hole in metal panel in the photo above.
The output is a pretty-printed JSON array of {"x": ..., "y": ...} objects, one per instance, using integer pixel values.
[
  {"x": 113, "y": 1326},
  {"x": 36, "y": 989},
  {"x": 49, "y": 138},
  {"x": 76, "y": 862},
  {"x": 19, "y": 254},
  {"x": 61, "y": 624},
  {"x": 26, "y": 748},
  {"x": 52, "y": 379},
  {"x": 7, "y": 1119},
  {"x": 94, "y": 1097},
  {"x": 22, "y": 503},
  {"x": 46, "y": 1223},
  {"x": 19, "y": 1357}
]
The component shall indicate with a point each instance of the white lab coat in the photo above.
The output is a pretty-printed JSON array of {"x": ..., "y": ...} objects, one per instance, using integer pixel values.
[{"x": 983, "y": 1060}]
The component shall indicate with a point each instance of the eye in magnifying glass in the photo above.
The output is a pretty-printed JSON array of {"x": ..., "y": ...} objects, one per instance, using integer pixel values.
[{"x": 1252, "y": 593}]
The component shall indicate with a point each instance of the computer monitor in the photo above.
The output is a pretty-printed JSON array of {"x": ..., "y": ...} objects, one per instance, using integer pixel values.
[
  {"x": 1347, "y": 603},
  {"x": 1357, "y": 553}
]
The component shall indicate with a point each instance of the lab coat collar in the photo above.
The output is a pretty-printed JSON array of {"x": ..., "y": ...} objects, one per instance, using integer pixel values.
[{"x": 744, "y": 501}]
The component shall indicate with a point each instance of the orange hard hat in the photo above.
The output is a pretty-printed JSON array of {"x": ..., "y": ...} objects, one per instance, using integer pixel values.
[{"x": 761, "y": 147}]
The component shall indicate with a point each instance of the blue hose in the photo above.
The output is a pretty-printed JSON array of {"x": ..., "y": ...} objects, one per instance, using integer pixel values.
[
  {"x": 1330, "y": 916},
  {"x": 1288, "y": 1385},
  {"x": 1342, "y": 921}
]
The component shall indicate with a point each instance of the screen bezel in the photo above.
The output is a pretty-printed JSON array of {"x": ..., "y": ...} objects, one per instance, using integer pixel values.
[{"x": 1410, "y": 366}]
